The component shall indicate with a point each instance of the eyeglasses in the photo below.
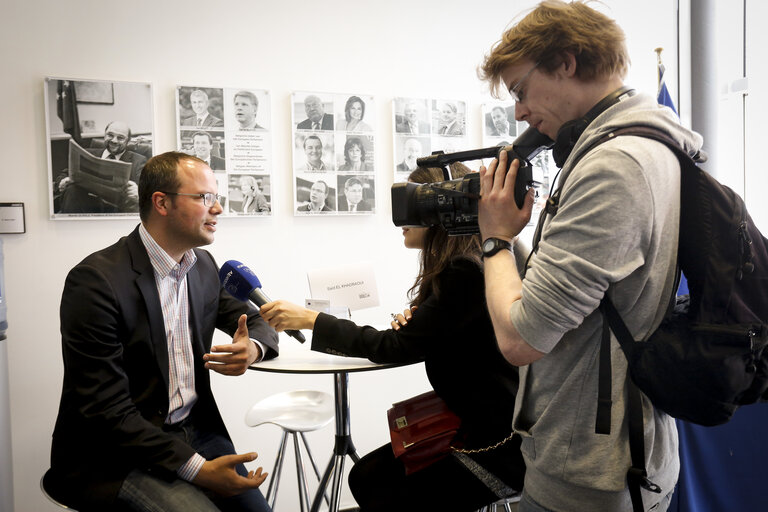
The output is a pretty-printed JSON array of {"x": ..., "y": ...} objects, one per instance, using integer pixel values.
[
  {"x": 209, "y": 198},
  {"x": 516, "y": 91}
]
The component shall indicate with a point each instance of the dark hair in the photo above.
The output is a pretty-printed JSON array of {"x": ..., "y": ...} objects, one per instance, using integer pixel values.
[
  {"x": 351, "y": 182},
  {"x": 440, "y": 250},
  {"x": 348, "y": 107},
  {"x": 304, "y": 144},
  {"x": 205, "y": 134},
  {"x": 160, "y": 173},
  {"x": 354, "y": 141}
]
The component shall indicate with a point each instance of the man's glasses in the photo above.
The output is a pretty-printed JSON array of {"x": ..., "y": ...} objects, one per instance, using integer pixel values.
[
  {"x": 209, "y": 198},
  {"x": 516, "y": 91}
]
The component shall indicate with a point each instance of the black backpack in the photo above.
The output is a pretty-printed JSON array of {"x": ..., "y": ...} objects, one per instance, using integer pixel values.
[{"x": 708, "y": 357}]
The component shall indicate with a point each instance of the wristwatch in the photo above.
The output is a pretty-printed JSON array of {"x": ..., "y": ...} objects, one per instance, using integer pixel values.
[{"x": 493, "y": 245}]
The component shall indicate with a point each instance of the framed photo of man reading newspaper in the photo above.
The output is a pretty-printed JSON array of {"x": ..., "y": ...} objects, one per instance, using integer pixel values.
[{"x": 97, "y": 146}]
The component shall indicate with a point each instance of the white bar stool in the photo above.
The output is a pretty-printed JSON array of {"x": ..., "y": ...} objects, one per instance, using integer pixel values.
[
  {"x": 296, "y": 412},
  {"x": 505, "y": 502}
]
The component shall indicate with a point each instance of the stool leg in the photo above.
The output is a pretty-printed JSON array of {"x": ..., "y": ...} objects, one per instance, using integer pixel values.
[
  {"x": 507, "y": 507},
  {"x": 274, "y": 482},
  {"x": 312, "y": 461},
  {"x": 303, "y": 491}
]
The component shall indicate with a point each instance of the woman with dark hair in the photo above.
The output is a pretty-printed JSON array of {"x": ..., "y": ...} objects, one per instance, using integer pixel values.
[
  {"x": 354, "y": 111},
  {"x": 354, "y": 156},
  {"x": 448, "y": 327}
]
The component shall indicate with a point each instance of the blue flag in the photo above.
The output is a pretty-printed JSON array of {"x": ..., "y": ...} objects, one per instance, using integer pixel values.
[{"x": 663, "y": 96}]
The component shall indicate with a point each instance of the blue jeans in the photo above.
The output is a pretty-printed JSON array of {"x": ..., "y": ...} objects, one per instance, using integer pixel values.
[
  {"x": 142, "y": 492},
  {"x": 528, "y": 505}
]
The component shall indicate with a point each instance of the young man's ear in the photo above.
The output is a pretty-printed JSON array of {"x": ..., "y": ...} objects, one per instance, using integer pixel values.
[
  {"x": 161, "y": 203},
  {"x": 568, "y": 66}
]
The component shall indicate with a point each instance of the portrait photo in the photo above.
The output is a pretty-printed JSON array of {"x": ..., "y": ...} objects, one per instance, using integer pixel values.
[
  {"x": 200, "y": 107},
  {"x": 249, "y": 194},
  {"x": 354, "y": 153},
  {"x": 449, "y": 118},
  {"x": 357, "y": 194},
  {"x": 314, "y": 152},
  {"x": 411, "y": 116},
  {"x": 315, "y": 194},
  {"x": 312, "y": 111},
  {"x": 499, "y": 121},
  {"x": 247, "y": 109},
  {"x": 97, "y": 148},
  {"x": 355, "y": 114}
]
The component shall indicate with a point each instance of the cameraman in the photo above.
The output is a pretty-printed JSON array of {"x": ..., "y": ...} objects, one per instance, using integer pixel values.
[{"x": 615, "y": 232}]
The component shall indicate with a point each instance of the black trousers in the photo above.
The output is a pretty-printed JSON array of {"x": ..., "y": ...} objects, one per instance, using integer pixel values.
[{"x": 379, "y": 483}]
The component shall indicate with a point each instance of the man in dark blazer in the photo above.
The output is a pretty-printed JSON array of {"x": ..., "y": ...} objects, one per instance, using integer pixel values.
[
  {"x": 137, "y": 420},
  {"x": 352, "y": 200},
  {"x": 202, "y": 144},
  {"x": 73, "y": 198},
  {"x": 198, "y": 100},
  {"x": 317, "y": 119},
  {"x": 410, "y": 120}
]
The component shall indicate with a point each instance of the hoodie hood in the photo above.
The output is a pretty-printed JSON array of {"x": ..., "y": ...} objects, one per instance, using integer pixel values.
[{"x": 643, "y": 110}]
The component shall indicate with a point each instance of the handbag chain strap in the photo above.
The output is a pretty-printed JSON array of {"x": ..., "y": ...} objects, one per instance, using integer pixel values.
[{"x": 487, "y": 448}]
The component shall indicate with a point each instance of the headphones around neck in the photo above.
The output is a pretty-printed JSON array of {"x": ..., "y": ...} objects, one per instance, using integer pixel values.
[{"x": 570, "y": 132}]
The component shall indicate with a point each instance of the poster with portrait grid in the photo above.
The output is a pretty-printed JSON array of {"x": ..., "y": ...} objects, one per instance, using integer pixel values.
[
  {"x": 423, "y": 126},
  {"x": 333, "y": 153},
  {"x": 231, "y": 129}
]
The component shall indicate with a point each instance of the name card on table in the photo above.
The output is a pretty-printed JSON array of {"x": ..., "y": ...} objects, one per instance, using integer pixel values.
[{"x": 353, "y": 286}]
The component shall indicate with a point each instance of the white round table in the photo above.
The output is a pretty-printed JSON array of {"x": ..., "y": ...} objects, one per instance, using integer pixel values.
[{"x": 299, "y": 359}]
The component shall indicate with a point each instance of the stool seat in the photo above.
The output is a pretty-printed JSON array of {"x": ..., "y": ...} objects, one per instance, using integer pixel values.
[{"x": 295, "y": 411}]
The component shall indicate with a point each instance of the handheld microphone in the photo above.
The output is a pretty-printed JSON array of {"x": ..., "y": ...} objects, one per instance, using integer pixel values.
[{"x": 242, "y": 284}]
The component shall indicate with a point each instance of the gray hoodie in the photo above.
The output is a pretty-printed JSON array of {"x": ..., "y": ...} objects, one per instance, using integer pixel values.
[{"x": 616, "y": 232}]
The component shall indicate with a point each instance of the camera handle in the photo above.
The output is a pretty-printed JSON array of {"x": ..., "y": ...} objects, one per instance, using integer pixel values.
[{"x": 529, "y": 144}]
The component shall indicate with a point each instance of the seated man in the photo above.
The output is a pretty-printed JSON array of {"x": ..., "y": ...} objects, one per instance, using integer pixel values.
[
  {"x": 138, "y": 427},
  {"x": 75, "y": 199}
]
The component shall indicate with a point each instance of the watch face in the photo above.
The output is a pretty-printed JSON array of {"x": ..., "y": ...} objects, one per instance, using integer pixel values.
[{"x": 488, "y": 245}]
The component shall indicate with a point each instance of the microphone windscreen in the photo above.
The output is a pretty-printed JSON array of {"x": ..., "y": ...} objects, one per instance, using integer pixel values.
[{"x": 238, "y": 279}]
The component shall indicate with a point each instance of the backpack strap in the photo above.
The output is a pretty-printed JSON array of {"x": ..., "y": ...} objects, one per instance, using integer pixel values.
[{"x": 637, "y": 475}]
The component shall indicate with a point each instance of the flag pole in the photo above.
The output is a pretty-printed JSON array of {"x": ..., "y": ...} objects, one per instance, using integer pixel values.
[{"x": 658, "y": 63}]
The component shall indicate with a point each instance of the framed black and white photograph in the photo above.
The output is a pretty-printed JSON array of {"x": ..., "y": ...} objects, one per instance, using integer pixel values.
[
  {"x": 333, "y": 134},
  {"x": 97, "y": 148}
]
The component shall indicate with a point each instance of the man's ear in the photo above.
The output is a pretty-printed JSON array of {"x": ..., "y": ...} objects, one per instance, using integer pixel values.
[
  {"x": 161, "y": 203},
  {"x": 568, "y": 66}
]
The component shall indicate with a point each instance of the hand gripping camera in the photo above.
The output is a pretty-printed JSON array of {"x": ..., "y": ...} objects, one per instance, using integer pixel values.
[{"x": 453, "y": 203}]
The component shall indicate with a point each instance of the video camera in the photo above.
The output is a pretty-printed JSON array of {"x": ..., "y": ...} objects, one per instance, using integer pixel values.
[{"x": 453, "y": 203}]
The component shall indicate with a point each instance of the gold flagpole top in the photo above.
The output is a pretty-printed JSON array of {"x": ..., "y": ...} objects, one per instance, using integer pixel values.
[{"x": 658, "y": 53}]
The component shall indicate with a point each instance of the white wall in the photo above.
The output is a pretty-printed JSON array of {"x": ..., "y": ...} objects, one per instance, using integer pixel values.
[{"x": 388, "y": 49}]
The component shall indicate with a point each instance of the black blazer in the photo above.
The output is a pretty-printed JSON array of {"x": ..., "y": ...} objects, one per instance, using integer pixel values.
[
  {"x": 453, "y": 334},
  {"x": 115, "y": 392}
]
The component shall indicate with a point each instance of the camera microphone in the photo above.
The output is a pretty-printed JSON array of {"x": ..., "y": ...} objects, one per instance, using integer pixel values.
[{"x": 242, "y": 284}]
